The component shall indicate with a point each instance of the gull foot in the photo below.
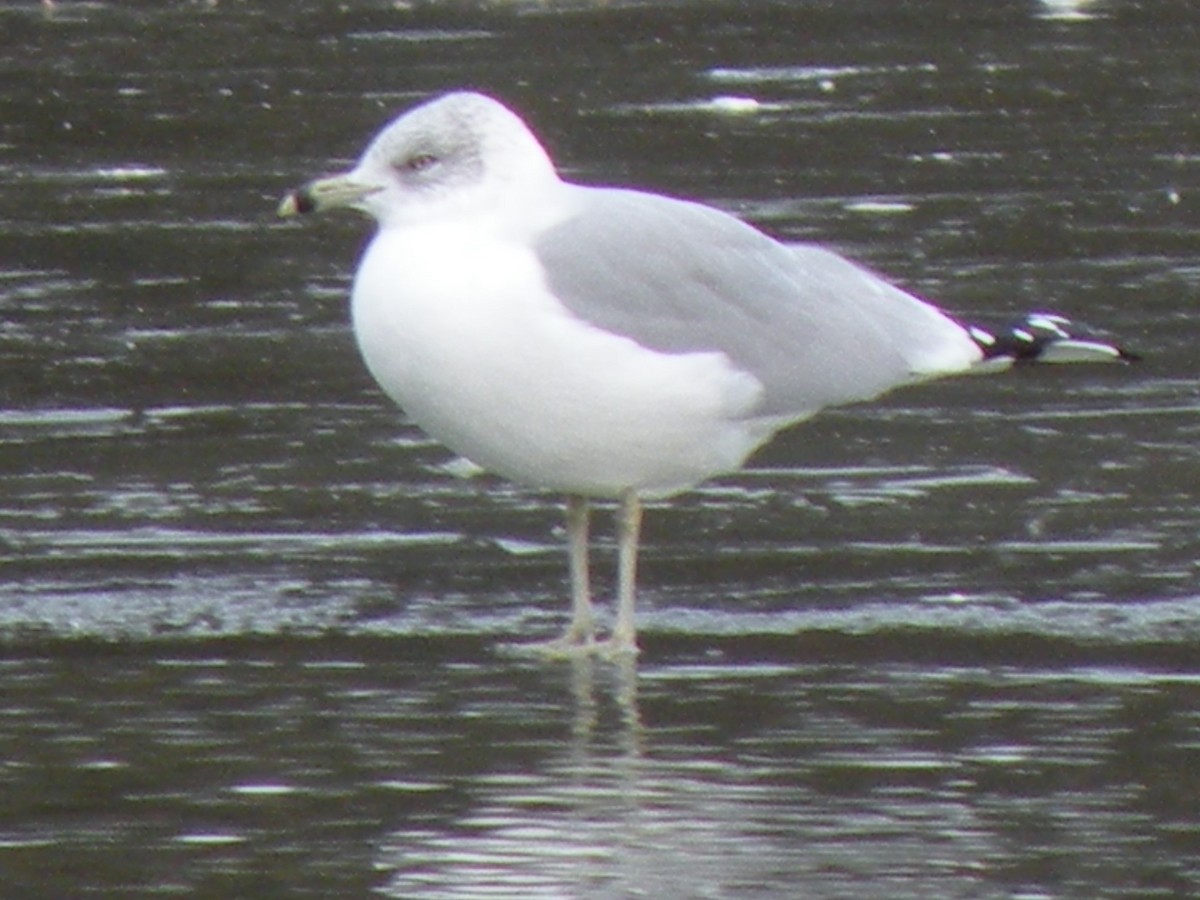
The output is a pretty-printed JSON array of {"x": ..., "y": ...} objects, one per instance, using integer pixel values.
[
  {"x": 570, "y": 646},
  {"x": 566, "y": 646},
  {"x": 616, "y": 648}
]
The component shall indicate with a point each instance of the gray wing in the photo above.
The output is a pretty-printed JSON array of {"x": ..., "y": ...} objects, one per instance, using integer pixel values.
[{"x": 679, "y": 277}]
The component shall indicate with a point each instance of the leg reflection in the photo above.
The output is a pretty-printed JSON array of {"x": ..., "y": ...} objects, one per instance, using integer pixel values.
[{"x": 586, "y": 720}]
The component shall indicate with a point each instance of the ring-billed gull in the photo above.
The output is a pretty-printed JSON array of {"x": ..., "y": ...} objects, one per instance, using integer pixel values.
[{"x": 611, "y": 343}]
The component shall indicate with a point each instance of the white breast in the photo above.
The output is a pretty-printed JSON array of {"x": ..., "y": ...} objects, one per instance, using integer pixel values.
[{"x": 460, "y": 330}]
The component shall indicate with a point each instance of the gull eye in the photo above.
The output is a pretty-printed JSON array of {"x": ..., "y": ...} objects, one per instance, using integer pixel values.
[{"x": 418, "y": 162}]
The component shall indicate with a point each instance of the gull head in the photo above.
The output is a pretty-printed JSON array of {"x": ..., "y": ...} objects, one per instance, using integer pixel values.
[{"x": 462, "y": 155}]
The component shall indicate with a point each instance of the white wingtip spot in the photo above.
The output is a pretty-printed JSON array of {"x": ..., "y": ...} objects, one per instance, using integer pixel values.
[
  {"x": 979, "y": 336},
  {"x": 1073, "y": 351},
  {"x": 1049, "y": 322}
]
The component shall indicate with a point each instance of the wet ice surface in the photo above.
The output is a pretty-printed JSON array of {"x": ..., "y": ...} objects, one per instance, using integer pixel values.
[
  {"x": 329, "y": 768},
  {"x": 253, "y": 623}
]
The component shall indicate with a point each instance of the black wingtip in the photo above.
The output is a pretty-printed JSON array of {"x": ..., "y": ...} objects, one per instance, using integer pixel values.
[{"x": 1047, "y": 338}]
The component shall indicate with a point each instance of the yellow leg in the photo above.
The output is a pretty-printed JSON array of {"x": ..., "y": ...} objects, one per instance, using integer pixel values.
[
  {"x": 629, "y": 526},
  {"x": 581, "y": 630}
]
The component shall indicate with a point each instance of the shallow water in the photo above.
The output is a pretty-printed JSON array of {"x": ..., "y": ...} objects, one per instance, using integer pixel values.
[{"x": 252, "y": 623}]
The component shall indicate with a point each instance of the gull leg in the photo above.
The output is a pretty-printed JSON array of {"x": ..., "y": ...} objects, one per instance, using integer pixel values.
[
  {"x": 629, "y": 525},
  {"x": 581, "y": 630},
  {"x": 579, "y": 637}
]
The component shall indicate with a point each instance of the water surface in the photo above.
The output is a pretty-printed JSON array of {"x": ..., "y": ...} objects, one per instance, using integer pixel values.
[{"x": 252, "y": 622}]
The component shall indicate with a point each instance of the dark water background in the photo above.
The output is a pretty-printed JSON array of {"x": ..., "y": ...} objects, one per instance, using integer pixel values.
[{"x": 942, "y": 646}]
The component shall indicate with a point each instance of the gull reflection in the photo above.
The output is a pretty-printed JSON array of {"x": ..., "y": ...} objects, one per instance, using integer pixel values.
[
  {"x": 586, "y": 719},
  {"x": 601, "y": 816}
]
